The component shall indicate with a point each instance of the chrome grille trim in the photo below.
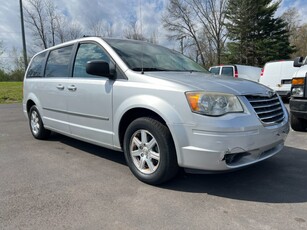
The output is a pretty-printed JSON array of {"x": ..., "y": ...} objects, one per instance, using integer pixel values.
[{"x": 268, "y": 109}]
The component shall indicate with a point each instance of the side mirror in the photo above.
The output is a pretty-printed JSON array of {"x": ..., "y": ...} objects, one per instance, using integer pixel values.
[
  {"x": 298, "y": 62},
  {"x": 99, "y": 68}
]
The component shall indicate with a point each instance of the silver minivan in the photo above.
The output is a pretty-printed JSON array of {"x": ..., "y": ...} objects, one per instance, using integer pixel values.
[{"x": 160, "y": 108}]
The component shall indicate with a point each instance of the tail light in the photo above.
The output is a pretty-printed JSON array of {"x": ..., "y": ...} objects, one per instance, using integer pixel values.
[
  {"x": 261, "y": 74},
  {"x": 236, "y": 73}
]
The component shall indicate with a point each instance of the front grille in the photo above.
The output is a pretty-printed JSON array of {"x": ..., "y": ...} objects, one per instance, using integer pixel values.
[{"x": 268, "y": 109}]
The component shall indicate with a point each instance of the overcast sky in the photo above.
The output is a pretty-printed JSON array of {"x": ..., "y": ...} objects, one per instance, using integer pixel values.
[{"x": 116, "y": 12}]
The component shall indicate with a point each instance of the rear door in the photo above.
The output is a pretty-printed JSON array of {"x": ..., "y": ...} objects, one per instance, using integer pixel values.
[
  {"x": 89, "y": 98},
  {"x": 52, "y": 89}
]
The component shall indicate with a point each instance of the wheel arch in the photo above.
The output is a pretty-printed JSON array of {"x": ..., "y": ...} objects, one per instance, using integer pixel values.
[
  {"x": 133, "y": 114},
  {"x": 30, "y": 103}
]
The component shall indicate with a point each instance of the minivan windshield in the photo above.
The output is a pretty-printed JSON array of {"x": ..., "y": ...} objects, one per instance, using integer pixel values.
[{"x": 145, "y": 56}]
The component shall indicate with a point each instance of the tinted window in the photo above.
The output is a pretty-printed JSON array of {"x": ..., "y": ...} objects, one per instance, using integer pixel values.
[
  {"x": 36, "y": 67},
  {"x": 88, "y": 52},
  {"x": 215, "y": 70},
  {"x": 228, "y": 71},
  {"x": 58, "y": 62},
  {"x": 149, "y": 57}
]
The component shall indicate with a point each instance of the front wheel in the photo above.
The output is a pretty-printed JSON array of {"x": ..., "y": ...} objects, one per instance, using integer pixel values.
[
  {"x": 36, "y": 124},
  {"x": 149, "y": 151}
]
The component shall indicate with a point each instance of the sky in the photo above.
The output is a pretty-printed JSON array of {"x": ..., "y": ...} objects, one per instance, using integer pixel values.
[{"x": 84, "y": 12}]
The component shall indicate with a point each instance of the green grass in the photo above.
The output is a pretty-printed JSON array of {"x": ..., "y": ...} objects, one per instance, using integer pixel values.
[{"x": 10, "y": 92}]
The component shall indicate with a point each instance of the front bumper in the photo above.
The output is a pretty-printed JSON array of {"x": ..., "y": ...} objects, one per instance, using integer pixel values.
[
  {"x": 244, "y": 142},
  {"x": 298, "y": 107}
]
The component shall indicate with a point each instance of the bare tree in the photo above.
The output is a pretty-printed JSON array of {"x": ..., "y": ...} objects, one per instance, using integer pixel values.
[
  {"x": 298, "y": 31},
  {"x": 153, "y": 38},
  {"x": 201, "y": 21},
  {"x": 1, "y": 51},
  {"x": 134, "y": 31},
  {"x": 35, "y": 17},
  {"x": 180, "y": 19},
  {"x": 101, "y": 28},
  {"x": 211, "y": 13},
  {"x": 48, "y": 26},
  {"x": 291, "y": 17}
]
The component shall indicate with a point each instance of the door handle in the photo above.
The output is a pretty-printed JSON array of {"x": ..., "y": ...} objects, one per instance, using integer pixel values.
[
  {"x": 60, "y": 87},
  {"x": 72, "y": 88}
]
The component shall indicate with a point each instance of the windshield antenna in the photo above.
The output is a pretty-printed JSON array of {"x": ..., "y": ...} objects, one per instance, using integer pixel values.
[{"x": 141, "y": 35}]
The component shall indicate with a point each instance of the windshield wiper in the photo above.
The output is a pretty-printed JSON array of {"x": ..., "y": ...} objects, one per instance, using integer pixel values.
[{"x": 149, "y": 69}]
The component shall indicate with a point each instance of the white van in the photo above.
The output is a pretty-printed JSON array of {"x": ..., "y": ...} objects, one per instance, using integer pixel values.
[
  {"x": 278, "y": 76},
  {"x": 237, "y": 71}
]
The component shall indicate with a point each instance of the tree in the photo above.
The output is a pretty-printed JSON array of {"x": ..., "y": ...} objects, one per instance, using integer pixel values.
[
  {"x": 256, "y": 35},
  {"x": 101, "y": 28},
  {"x": 37, "y": 17},
  {"x": 49, "y": 27},
  {"x": 298, "y": 31},
  {"x": 134, "y": 31},
  {"x": 180, "y": 20},
  {"x": 211, "y": 13},
  {"x": 201, "y": 24},
  {"x": 1, "y": 51}
]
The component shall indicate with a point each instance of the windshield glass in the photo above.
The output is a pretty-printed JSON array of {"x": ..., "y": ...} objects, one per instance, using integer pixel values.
[{"x": 145, "y": 56}]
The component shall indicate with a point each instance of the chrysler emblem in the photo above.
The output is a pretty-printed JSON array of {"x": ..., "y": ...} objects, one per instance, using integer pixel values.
[{"x": 270, "y": 94}]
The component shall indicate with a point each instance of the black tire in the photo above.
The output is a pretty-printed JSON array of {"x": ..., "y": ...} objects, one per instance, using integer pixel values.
[
  {"x": 298, "y": 124},
  {"x": 154, "y": 160},
  {"x": 36, "y": 124}
]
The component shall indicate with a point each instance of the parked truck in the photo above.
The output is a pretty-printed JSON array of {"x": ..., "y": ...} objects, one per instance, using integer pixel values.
[{"x": 298, "y": 101}]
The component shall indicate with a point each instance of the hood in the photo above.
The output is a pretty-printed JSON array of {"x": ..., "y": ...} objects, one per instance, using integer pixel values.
[{"x": 212, "y": 83}]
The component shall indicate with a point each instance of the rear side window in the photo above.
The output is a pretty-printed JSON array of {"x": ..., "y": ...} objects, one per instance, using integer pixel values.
[
  {"x": 88, "y": 52},
  {"x": 227, "y": 71},
  {"x": 58, "y": 62},
  {"x": 36, "y": 67},
  {"x": 215, "y": 70}
]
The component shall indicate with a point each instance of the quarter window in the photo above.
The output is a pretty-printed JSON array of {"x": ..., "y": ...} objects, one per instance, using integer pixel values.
[
  {"x": 227, "y": 71},
  {"x": 58, "y": 62},
  {"x": 36, "y": 67},
  {"x": 88, "y": 52}
]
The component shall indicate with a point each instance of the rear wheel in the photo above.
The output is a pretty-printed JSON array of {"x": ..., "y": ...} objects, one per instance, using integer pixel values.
[
  {"x": 36, "y": 124},
  {"x": 298, "y": 124},
  {"x": 149, "y": 151}
]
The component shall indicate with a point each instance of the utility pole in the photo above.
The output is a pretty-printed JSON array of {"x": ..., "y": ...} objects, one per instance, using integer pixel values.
[{"x": 25, "y": 58}]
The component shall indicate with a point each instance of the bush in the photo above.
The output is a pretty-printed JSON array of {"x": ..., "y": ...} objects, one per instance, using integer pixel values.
[{"x": 14, "y": 75}]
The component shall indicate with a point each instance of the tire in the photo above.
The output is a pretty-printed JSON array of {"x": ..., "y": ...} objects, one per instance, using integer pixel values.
[
  {"x": 36, "y": 124},
  {"x": 149, "y": 151},
  {"x": 298, "y": 124}
]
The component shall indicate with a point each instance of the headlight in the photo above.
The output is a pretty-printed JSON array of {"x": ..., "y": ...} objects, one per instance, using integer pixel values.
[
  {"x": 297, "y": 91},
  {"x": 298, "y": 87},
  {"x": 213, "y": 104}
]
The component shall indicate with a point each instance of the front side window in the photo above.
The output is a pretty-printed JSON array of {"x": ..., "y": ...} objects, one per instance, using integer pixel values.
[
  {"x": 36, "y": 67},
  {"x": 88, "y": 52},
  {"x": 58, "y": 62},
  {"x": 227, "y": 71},
  {"x": 215, "y": 70}
]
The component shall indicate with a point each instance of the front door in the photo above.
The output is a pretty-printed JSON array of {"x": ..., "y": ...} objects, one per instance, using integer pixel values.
[{"x": 89, "y": 99}]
